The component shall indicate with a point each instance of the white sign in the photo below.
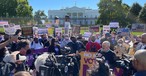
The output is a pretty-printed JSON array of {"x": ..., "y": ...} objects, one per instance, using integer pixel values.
[
  {"x": 2, "y": 23},
  {"x": 42, "y": 31},
  {"x": 35, "y": 30},
  {"x": 58, "y": 31},
  {"x": 114, "y": 24},
  {"x": 48, "y": 25},
  {"x": 9, "y": 29},
  {"x": 106, "y": 29},
  {"x": 87, "y": 34},
  {"x": 17, "y": 27}
]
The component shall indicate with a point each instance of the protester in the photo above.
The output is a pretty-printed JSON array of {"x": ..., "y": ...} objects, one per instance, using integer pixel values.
[
  {"x": 139, "y": 62},
  {"x": 75, "y": 45},
  {"x": 107, "y": 53},
  {"x": 120, "y": 48},
  {"x": 18, "y": 57},
  {"x": 44, "y": 39},
  {"x": 142, "y": 44},
  {"x": 7, "y": 42},
  {"x": 92, "y": 46},
  {"x": 107, "y": 37},
  {"x": 54, "y": 47},
  {"x": 36, "y": 44},
  {"x": 65, "y": 41}
]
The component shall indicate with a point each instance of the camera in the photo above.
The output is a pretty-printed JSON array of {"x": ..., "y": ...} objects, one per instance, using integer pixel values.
[{"x": 126, "y": 65}]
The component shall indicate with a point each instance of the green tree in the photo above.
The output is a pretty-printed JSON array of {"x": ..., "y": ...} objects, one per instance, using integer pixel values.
[
  {"x": 8, "y": 8},
  {"x": 135, "y": 9},
  {"x": 24, "y": 9},
  {"x": 142, "y": 14},
  {"x": 39, "y": 16},
  {"x": 112, "y": 10},
  {"x": 133, "y": 13}
]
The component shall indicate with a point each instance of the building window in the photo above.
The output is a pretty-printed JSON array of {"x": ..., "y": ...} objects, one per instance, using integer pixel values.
[
  {"x": 80, "y": 15},
  {"x": 50, "y": 16},
  {"x": 80, "y": 22},
  {"x": 91, "y": 23},
  {"x": 69, "y": 14},
  {"x": 74, "y": 15}
]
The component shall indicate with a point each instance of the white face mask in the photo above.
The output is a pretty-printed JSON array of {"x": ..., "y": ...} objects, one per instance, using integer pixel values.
[
  {"x": 66, "y": 38},
  {"x": 120, "y": 44}
]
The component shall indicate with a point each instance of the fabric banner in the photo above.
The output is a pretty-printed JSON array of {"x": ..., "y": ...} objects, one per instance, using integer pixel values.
[
  {"x": 87, "y": 60},
  {"x": 31, "y": 57}
]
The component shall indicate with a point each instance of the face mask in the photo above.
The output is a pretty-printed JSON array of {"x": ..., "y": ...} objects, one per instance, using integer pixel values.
[{"x": 120, "y": 44}]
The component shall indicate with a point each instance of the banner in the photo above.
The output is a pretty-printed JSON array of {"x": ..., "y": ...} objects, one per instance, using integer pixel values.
[
  {"x": 42, "y": 31},
  {"x": 94, "y": 28},
  {"x": 106, "y": 29},
  {"x": 9, "y": 29},
  {"x": 31, "y": 57},
  {"x": 87, "y": 60},
  {"x": 27, "y": 31}
]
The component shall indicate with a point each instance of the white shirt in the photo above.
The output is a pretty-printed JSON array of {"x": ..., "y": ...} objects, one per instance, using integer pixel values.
[{"x": 36, "y": 45}]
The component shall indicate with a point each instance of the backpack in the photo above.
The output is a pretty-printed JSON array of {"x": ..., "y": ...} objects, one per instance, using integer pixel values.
[
  {"x": 6, "y": 68},
  {"x": 20, "y": 67},
  {"x": 92, "y": 48},
  {"x": 39, "y": 42}
]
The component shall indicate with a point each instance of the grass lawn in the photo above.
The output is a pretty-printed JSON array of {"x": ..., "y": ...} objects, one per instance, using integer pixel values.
[
  {"x": 137, "y": 33},
  {"x": 1, "y": 29}
]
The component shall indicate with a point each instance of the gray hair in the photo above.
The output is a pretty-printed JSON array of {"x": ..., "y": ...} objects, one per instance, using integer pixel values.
[{"x": 107, "y": 43}]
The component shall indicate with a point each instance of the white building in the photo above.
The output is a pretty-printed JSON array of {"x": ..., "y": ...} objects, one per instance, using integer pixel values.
[{"x": 78, "y": 16}]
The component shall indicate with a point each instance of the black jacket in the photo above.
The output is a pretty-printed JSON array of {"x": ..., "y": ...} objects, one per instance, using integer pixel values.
[{"x": 52, "y": 49}]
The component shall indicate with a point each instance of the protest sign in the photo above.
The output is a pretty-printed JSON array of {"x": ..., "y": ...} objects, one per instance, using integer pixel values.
[
  {"x": 9, "y": 29},
  {"x": 27, "y": 31},
  {"x": 58, "y": 31},
  {"x": 17, "y": 27},
  {"x": 35, "y": 30},
  {"x": 94, "y": 28},
  {"x": 114, "y": 24},
  {"x": 48, "y": 25},
  {"x": 87, "y": 35},
  {"x": 76, "y": 30},
  {"x": 106, "y": 29},
  {"x": 137, "y": 27},
  {"x": 2, "y": 23},
  {"x": 87, "y": 60},
  {"x": 42, "y": 31},
  {"x": 50, "y": 31}
]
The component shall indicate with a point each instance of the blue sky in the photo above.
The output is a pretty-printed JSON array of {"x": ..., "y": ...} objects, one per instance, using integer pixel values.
[{"x": 58, "y": 4}]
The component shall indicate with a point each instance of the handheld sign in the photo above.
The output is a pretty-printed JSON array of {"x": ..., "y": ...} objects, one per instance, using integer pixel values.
[{"x": 106, "y": 29}]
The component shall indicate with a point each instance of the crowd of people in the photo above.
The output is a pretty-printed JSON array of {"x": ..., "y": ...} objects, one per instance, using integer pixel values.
[{"x": 110, "y": 48}]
